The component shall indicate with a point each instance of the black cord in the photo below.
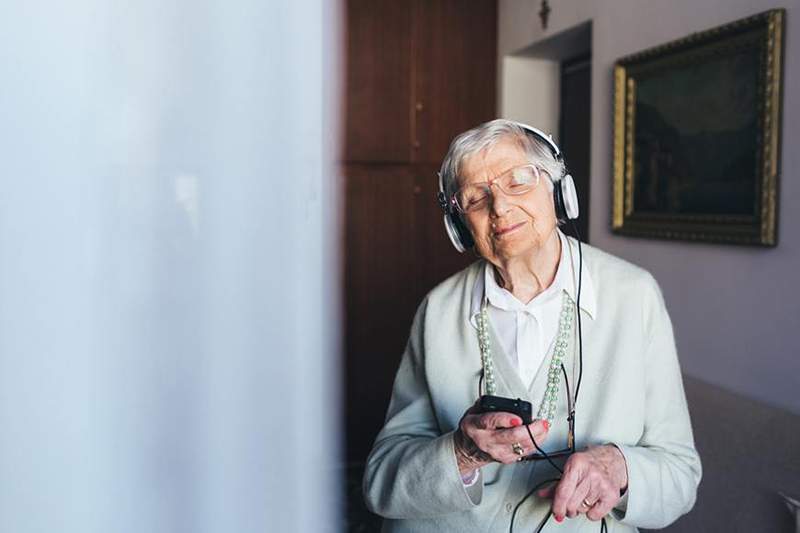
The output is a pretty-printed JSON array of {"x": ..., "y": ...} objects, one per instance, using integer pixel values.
[
  {"x": 603, "y": 524},
  {"x": 578, "y": 305},
  {"x": 543, "y": 522},
  {"x": 566, "y": 384},
  {"x": 571, "y": 414},
  {"x": 534, "y": 489},
  {"x": 541, "y": 451}
]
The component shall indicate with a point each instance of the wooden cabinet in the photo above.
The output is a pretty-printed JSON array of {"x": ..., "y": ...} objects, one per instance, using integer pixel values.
[
  {"x": 454, "y": 72},
  {"x": 378, "y": 85},
  {"x": 396, "y": 251},
  {"x": 382, "y": 289},
  {"x": 418, "y": 73}
]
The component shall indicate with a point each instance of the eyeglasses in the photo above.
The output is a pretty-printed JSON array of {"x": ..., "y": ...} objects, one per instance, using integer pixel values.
[{"x": 515, "y": 181}]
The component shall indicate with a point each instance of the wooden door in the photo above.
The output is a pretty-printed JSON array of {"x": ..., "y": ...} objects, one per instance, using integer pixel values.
[
  {"x": 383, "y": 287},
  {"x": 575, "y": 134},
  {"x": 396, "y": 251},
  {"x": 455, "y": 49},
  {"x": 418, "y": 73},
  {"x": 378, "y": 86}
]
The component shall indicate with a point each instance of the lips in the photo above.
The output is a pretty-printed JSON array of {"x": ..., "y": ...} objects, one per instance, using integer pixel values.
[{"x": 498, "y": 232}]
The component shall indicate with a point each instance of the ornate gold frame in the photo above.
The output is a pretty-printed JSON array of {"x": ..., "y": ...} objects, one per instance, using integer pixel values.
[{"x": 760, "y": 229}]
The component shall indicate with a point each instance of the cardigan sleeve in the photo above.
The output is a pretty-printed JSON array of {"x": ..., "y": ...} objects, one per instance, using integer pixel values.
[
  {"x": 663, "y": 467},
  {"x": 412, "y": 470}
]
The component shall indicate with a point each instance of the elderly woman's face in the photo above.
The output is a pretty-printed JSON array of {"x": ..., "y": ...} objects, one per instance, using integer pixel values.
[{"x": 509, "y": 226}]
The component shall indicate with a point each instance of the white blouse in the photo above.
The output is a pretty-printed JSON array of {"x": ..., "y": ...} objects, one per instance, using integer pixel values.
[{"x": 526, "y": 331}]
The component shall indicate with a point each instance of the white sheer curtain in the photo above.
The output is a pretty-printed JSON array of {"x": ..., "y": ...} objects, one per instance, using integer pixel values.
[{"x": 168, "y": 266}]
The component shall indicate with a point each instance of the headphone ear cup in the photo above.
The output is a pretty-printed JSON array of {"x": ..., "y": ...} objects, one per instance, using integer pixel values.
[
  {"x": 569, "y": 197},
  {"x": 558, "y": 201},
  {"x": 565, "y": 198},
  {"x": 464, "y": 232},
  {"x": 458, "y": 232}
]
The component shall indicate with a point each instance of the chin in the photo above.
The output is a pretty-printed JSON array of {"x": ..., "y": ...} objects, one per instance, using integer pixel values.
[{"x": 515, "y": 248}]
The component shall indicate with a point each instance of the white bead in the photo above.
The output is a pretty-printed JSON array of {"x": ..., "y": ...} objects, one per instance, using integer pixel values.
[{"x": 548, "y": 406}]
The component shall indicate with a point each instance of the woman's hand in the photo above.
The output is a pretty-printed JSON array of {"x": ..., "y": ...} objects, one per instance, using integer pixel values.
[
  {"x": 485, "y": 438},
  {"x": 592, "y": 483}
]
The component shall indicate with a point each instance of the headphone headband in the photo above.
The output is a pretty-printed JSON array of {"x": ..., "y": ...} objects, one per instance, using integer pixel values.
[{"x": 542, "y": 136}]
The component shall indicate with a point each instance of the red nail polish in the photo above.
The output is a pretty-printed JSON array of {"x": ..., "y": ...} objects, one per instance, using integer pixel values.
[
  {"x": 559, "y": 519},
  {"x": 516, "y": 422},
  {"x": 546, "y": 425}
]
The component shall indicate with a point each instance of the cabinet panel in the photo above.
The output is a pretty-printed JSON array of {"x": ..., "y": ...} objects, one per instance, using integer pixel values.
[
  {"x": 396, "y": 250},
  {"x": 383, "y": 289},
  {"x": 378, "y": 89},
  {"x": 455, "y": 49},
  {"x": 440, "y": 259}
]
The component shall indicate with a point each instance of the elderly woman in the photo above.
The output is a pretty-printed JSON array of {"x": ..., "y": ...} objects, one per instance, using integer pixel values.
[{"x": 581, "y": 335}]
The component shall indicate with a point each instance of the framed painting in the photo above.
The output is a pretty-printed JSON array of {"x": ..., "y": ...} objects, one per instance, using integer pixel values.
[{"x": 697, "y": 135}]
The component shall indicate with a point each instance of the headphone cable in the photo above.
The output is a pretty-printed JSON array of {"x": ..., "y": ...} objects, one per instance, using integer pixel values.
[{"x": 578, "y": 305}]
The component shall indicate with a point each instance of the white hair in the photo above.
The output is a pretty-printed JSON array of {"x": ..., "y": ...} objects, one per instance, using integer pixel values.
[{"x": 489, "y": 134}]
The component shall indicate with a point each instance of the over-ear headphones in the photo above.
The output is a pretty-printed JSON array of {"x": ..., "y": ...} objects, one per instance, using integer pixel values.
[{"x": 565, "y": 197}]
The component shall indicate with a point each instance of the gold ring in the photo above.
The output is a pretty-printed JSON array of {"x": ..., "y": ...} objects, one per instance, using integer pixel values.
[
  {"x": 588, "y": 504},
  {"x": 517, "y": 447}
]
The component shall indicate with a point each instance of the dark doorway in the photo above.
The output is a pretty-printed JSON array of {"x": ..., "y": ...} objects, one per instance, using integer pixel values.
[{"x": 575, "y": 124}]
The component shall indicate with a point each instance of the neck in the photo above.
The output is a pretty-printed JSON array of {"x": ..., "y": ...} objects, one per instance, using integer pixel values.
[{"x": 526, "y": 277}]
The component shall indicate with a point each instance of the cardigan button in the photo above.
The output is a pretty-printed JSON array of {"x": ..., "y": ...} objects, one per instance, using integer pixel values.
[{"x": 509, "y": 507}]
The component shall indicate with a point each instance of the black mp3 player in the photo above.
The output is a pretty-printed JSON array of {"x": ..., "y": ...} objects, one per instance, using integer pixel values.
[{"x": 492, "y": 404}]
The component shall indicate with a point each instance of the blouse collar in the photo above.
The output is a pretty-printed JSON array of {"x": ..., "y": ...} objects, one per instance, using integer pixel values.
[{"x": 503, "y": 299}]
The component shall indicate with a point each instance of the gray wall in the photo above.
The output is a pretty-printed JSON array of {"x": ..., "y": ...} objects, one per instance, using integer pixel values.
[
  {"x": 749, "y": 453},
  {"x": 736, "y": 310}
]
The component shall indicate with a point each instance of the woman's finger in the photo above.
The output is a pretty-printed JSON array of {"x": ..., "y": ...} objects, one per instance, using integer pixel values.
[
  {"x": 575, "y": 505},
  {"x": 497, "y": 420},
  {"x": 509, "y": 445},
  {"x": 548, "y": 491},
  {"x": 505, "y": 453},
  {"x": 604, "y": 504},
  {"x": 573, "y": 473},
  {"x": 539, "y": 430},
  {"x": 520, "y": 434},
  {"x": 486, "y": 440},
  {"x": 564, "y": 491},
  {"x": 502, "y": 435}
]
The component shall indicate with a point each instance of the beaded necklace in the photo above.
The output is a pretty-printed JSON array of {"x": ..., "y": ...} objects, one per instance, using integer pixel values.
[{"x": 547, "y": 408}]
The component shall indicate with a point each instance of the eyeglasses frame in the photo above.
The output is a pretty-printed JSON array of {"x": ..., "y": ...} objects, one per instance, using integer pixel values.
[{"x": 536, "y": 170}]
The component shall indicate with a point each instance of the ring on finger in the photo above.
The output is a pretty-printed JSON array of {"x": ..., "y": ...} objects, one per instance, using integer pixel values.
[
  {"x": 588, "y": 504},
  {"x": 518, "y": 449}
]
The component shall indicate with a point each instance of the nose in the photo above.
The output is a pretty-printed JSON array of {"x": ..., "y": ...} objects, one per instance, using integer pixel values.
[{"x": 499, "y": 201}]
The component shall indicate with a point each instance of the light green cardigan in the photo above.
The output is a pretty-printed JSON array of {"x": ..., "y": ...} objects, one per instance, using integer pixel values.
[{"x": 631, "y": 395}]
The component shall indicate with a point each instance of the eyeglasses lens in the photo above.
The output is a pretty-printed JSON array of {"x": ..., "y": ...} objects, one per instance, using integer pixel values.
[{"x": 516, "y": 181}]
